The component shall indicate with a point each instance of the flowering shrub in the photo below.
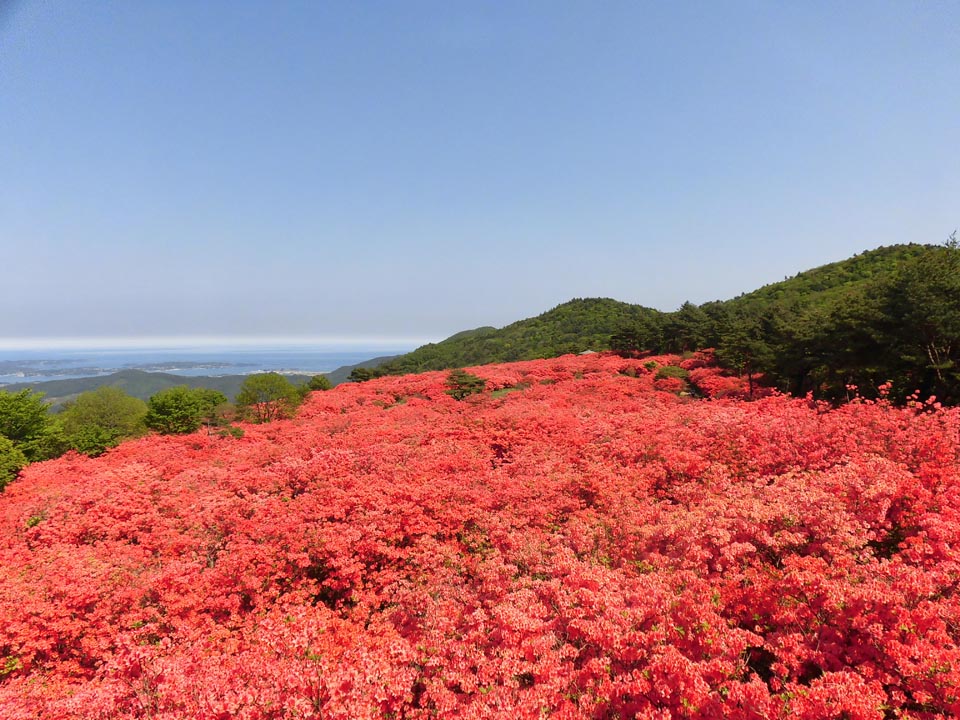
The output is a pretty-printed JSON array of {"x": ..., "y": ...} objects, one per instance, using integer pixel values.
[{"x": 583, "y": 546}]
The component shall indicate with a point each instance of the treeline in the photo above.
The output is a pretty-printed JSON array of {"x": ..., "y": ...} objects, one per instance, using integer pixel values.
[
  {"x": 886, "y": 315},
  {"x": 100, "y": 419},
  {"x": 891, "y": 316}
]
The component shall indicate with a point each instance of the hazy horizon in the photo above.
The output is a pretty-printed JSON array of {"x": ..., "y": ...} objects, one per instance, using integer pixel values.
[{"x": 207, "y": 342}]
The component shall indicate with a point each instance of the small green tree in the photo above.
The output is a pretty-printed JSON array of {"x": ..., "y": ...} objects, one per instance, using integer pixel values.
[
  {"x": 319, "y": 382},
  {"x": 267, "y": 396},
  {"x": 24, "y": 419},
  {"x": 181, "y": 409},
  {"x": 362, "y": 374},
  {"x": 461, "y": 384},
  {"x": 101, "y": 418},
  {"x": 11, "y": 460}
]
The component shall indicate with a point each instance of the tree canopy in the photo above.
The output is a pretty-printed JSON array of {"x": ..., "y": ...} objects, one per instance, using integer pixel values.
[
  {"x": 11, "y": 461},
  {"x": 101, "y": 418},
  {"x": 181, "y": 409},
  {"x": 267, "y": 396}
]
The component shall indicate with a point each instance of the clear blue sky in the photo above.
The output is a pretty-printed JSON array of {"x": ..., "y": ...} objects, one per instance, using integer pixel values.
[{"x": 413, "y": 169}]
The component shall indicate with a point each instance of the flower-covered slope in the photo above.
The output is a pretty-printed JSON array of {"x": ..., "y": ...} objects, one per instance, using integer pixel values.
[{"x": 571, "y": 543}]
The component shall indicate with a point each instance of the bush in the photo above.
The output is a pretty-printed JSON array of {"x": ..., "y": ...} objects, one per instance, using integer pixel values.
[
  {"x": 11, "y": 460},
  {"x": 319, "y": 382},
  {"x": 179, "y": 410},
  {"x": 671, "y": 371},
  {"x": 461, "y": 384},
  {"x": 101, "y": 418}
]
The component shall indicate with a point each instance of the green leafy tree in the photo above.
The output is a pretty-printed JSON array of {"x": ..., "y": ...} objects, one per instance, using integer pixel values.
[
  {"x": 24, "y": 419},
  {"x": 362, "y": 374},
  {"x": 101, "y": 418},
  {"x": 743, "y": 345},
  {"x": 267, "y": 396},
  {"x": 181, "y": 409},
  {"x": 11, "y": 461},
  {"x": 461, "y": 384},
  {"x": 922, "y": 308},
  {"x": 49, "y": 443},
  {"x": 319, "y": 382},
  {"x": 686, "y": 329}
]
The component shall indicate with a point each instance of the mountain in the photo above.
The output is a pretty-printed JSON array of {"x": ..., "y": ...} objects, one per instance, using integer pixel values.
[
  {"x": 575, "y": 326},
  {"x": 138, "y": 383},
  {"x": 844, "y": 323},
  {"x": 823, "y": 285}
]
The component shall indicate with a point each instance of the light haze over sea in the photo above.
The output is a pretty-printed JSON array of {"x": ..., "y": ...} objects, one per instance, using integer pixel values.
[{"x": 58, "y": 359}]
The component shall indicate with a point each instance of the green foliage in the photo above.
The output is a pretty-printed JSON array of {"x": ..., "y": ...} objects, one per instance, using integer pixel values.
[
  {"x": 267, "y": 396},
  {"x": 362, "y": 374},
  {"x": 49, "y": 443},
  {"x": 11, "y": 460},
  {"x": 138, "y": 383},
  {"x": 575, "y": 326},
  {"x": 671, "y": 371},
  {"x": 183, "y": 410},
  {"x": 891, "y": 314},
  {"x": 23, "y": 420},
  {"x": 319, "y": 382},
  {"x": 689, "y": 328},
  {"x": 461, "y": 384},
  {"x": 101, "y": 418},
  {"x": 314, "y": 384},
  {"x": 888, "y": 314}
]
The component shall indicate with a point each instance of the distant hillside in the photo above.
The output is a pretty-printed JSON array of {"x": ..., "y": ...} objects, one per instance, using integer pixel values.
[
  {"x": 137, "y": 383},
  {"x": 892, "y": 313},
  {"x": 342, "y": 374},
  {"x": 822, "y": 285},
  {"x": 575, "y": 326}
]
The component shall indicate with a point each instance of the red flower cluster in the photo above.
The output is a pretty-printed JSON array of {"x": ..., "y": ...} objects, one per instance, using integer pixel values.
[{"x": 570, "y": 543}]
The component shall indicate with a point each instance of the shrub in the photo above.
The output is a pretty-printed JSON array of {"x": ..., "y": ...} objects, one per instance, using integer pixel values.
[
  {"x": 11, "y": 460},
  {"x": 461, "y": 384}
]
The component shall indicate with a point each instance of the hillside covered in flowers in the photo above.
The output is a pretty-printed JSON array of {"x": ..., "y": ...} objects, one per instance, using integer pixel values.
[{"x": 588, "y": 537}]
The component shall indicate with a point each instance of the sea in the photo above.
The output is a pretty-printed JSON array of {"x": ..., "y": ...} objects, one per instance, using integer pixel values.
[{"x": 48, "y": 362}]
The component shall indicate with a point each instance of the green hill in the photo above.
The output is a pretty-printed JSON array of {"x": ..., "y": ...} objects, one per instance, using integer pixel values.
[
  {"x": 823, "y": 285},
  {"x": 892, "y": 313},
  {"x": 574, "y": 326}
]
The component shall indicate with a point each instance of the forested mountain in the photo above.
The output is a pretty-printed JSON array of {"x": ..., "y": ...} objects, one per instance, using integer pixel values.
[
  {"x": 575, "y": 326},
  {"x": 890, "y": 314}
]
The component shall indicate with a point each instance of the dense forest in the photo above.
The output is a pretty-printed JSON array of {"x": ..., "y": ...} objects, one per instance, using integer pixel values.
[{"x": 890, "y": 315}]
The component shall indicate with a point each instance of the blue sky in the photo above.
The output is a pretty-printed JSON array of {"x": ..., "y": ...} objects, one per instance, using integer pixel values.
[{"x": 409, "y": 170}]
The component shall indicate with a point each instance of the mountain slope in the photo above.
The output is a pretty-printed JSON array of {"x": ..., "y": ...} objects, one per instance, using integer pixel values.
[
  {"x": 574, "y": 326},
  {"x": 823, "y": 329}
]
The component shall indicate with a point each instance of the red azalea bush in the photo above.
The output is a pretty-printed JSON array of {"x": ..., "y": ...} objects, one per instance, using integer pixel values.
[{"x": 570, "y": 543}]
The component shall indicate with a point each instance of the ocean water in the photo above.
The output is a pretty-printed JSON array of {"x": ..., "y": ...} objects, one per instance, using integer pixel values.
[{"x": 25, "y": 365}]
